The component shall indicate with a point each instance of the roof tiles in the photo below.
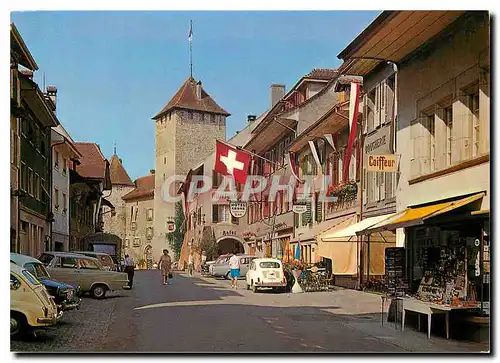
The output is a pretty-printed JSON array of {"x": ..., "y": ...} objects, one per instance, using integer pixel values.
[
  {"x": 118, "y": 173},
  {"x": 92, "y": 163},
  {"x": 144, "y": 187}
]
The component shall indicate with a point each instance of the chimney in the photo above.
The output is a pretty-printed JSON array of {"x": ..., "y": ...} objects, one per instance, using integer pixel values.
[
  {"x": 152, "y": 171},
  {"x": 52, "y": 93},
  {"x": 251, "y": 118},
  {"x": 277, "y": 93},
  {"x": 198, "y": 90}
]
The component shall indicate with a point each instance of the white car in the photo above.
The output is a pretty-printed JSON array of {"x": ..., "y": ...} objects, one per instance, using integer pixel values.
[{"x": 266, "y": 272}]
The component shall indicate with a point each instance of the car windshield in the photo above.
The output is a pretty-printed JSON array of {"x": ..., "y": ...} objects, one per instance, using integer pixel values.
[
  {"x": 45, "y": 258},
  {"x": 38, "y": 270},
  {"x": 32, "y": 279},
  {"x": 269, "y": 264}
]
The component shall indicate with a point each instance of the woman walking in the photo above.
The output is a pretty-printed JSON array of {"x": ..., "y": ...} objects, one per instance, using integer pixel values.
[{"x": 165, "y": 264}]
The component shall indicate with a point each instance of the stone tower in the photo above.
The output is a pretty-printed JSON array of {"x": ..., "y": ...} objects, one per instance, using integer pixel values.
[
  {"x": 121, "y": 184},
  {"x": 186, "y": 130}
]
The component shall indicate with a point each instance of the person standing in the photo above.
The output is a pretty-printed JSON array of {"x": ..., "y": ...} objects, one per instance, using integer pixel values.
[
  {"x": 165, "y": 264},
  {"x": 190, "y": 264},
  {"x": 129, "y": 266},
  {"x": 234, "y": 265}
]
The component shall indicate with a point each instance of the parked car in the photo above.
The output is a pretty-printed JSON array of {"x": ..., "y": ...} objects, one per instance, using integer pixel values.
[
  {"x": 30, "y": 304},
  {"x": 105, "y": 259},
  {"x": 65, "y": 296},
  {"x": 221, "y": 268},
  {"x": 219, "y": 260},
  {"x": 87, "y": 272},
  {"x": 266, "y": 272}
]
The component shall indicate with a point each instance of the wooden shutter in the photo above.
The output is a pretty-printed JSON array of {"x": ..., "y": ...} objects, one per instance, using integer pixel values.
[
  {"x": 215, "y": 213},
  {"x": 375, "y": 187},
  {"x": 383, "y": 101},
  {"x": 352, "y": 165},
  {"x": 376, "y": 110},
  {"x": 365, "y": 186},
  {"x": 381, "y": 178},
  {"x": 306, "y": 217},
  {"x": 389, "y": 104},
  {"x": 389, "y": 192},
  {"x": 340, "y": 166},
  {"x": 319, "y": 209},
  {"x": 359, "y": 151},
  {"x": 365, "y": 113}
]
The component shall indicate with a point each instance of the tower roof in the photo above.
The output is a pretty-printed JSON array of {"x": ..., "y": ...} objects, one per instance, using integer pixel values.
[
  {"x": 118, "y": 173},
  {"x": 186, "y": 98}
]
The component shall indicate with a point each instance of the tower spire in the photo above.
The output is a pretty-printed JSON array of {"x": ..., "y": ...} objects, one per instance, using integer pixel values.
[
  {"x": 191, "y": 48},
  {"x": 114, "y": 148}
]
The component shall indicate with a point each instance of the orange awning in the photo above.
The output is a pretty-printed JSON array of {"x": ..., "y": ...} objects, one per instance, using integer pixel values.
[{"x": 418, "y": 215}]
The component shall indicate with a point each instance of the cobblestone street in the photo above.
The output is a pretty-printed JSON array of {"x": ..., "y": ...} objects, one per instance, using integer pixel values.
[{"x": 201, "y": 314}]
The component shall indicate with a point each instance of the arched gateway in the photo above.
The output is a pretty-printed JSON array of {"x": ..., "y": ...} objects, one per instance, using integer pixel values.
[
  {"x": 228, "y": 244},
  {"x": 104, "y": 242}
]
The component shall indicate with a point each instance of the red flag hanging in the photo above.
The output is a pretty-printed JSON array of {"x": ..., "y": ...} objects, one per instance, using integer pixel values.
[
  {"x": 231, "y": 161},
  {"x": 353, "y": 120}
]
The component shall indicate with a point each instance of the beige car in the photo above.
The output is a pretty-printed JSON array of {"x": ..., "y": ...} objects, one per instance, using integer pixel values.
[{"x": 87, "y": 272}]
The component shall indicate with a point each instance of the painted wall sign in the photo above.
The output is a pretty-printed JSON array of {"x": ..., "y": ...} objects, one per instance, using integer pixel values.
[
  {"x": 379, "y": 142},
  {"x": 238, "y": 209},
  {"x": 299, "y": 208},
  {"x": 382, "y": 163},
  {"x": 228, "y": 233}
]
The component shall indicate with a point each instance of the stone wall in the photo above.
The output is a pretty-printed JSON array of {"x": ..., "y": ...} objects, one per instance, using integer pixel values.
[
  {"x": 137, "y": 234},
  {"x": 115, "y": 223}
]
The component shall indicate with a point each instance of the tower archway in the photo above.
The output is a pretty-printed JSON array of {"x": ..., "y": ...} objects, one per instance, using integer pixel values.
[{"x": 228, "y": 244}]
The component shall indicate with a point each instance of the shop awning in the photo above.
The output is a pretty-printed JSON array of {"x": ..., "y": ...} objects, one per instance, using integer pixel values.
[
  {"x": 418, "y": 215},
  {"x": 313, "y": 232},
  {"x": 349, "y": 234}
]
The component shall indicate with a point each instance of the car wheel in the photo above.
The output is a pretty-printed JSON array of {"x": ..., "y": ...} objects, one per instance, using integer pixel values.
[
  {"x": 98, "y": 291},
  {"x": 18, "y": 325},
  {"x": 254, "y": 288}
]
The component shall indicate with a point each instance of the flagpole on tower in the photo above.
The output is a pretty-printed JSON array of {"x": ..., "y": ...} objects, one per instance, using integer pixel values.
[{"x": 191, "y": 48}]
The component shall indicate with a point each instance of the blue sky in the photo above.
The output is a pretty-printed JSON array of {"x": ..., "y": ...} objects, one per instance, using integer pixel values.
[{"x": 115, "y": 70}]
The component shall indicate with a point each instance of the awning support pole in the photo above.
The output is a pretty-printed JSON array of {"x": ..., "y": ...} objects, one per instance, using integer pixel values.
[{"x": 368, "y": 252}]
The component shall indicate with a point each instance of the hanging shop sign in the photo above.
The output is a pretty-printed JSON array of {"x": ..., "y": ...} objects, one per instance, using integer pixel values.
[
  {"x": 382, "y": 163},
  {"x": 170, "y": 227},
  {"x": 237, "y": 209},
  {"x": 299, "y": 208}
]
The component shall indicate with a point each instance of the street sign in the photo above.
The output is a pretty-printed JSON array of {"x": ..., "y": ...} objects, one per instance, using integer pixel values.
[
  {"x": 299, "y": 208},
  {"x": 237, "y": 209},
  {"x": 170, "y": 227}
]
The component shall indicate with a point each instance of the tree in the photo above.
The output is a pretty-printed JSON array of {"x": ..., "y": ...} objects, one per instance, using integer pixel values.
[
  {"x": 176, "y": 238},
  {"x": 208, "y": 244}
]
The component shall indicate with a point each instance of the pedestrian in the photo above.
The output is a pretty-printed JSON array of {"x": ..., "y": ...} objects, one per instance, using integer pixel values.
[
  {"x": 234, "y": 265},
  {"x": 129, "y": 266},
  {"x": 165, "y": 264},
  {"x": 190, "y": 264}
]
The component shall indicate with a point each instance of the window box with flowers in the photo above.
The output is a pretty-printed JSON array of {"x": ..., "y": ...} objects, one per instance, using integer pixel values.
[{"x": 345, "y": 192}]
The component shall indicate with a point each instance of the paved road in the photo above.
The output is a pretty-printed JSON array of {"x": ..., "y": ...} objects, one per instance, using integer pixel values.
[{"x": 204, "y": 315}]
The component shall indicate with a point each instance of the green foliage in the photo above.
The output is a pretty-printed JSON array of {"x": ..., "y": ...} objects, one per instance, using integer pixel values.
[
  {"x": 208, "y": 244},
  {"x": 176, "y": 238}
]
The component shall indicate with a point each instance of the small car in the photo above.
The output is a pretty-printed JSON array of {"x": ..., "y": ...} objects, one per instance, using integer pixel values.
[
  {"x": 87, "y": 272},
  {"x": 105, "y": 259},
  {"x": 221, "y": 268},
  {"x": 31, "y": 306},
  {"x": 266, "y": 272},
  {"x": 65, "y": 296}
]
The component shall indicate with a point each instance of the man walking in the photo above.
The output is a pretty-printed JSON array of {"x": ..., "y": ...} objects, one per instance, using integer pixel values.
[
  {"x": 234, "y": 265},
  {"x": 190, "y": 264},
  {"x": 164, "y": 264},
  {"x": 129, "y": 265}
]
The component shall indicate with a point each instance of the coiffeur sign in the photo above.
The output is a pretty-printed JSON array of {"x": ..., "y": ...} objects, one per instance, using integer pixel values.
[{"x": 382, "y": 163}]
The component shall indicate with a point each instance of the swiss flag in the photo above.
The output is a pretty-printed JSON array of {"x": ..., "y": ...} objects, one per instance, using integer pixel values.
[{"x": 231, "y": 161}]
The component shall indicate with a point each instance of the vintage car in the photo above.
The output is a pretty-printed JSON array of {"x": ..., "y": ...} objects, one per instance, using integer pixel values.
[
  {"x": 221, "y": 268},
  {"x": 31, "y": 306},
  {"x": 266, "y": 272},
  {"x": 105, "y": 259},
  {"x": 65, "y": 295},
  {"x": 87, "y": 272}
]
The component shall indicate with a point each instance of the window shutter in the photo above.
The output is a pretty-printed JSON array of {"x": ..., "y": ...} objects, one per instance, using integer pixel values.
[
  {"x": 376, "y": 110},
  {"x": 365, "y": 186},
  {"x": 382, "y": 185},
  {"x": 365, "y": 113},
  {"x": 383, "y": 101},
  {"x": 306, "y": 217},
  {"x": 389, "y": 192},
  {"x": 375, "y": 187},
  {"x": 335, "y": 169},
  {"x": 358, "y": 160},
  {"x": 319, "y": 209},
  {"x": 352, "y": 165},
  {"x": 389, "y": 104},
  {"x": 340, "y": 166},
  {"x": 215, "y": 213}
]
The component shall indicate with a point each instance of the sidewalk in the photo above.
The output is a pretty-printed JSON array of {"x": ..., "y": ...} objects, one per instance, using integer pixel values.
[{"x": 354, "y": 309}]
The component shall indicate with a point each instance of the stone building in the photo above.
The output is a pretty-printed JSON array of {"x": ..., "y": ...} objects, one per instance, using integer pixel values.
[
  {"x": 138, "y": 217},
  {"x": 186, "y": 130},
  {"x": 115, "y": 218}
]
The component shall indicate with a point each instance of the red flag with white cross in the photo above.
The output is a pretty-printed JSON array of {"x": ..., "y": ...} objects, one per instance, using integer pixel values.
[{"x": 231, "y": 161}]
